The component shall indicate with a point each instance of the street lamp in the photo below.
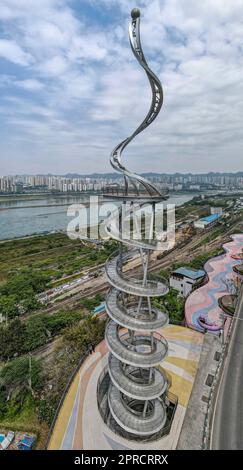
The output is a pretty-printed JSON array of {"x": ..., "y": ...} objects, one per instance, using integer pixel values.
[{"x": 222, "y": 317}]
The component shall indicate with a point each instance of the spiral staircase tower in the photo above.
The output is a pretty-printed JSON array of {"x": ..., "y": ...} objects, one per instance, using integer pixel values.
[{"x": 132, "y": 394}]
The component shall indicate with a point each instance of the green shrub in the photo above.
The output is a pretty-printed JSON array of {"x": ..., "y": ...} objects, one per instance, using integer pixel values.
[{"x": 173, "y": 304}]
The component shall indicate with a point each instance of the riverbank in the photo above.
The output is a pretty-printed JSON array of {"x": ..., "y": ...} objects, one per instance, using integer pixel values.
[{"x": 43, "y": 195}]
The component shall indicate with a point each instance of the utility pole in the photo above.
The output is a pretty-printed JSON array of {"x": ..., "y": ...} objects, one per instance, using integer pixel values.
[
  {"x": 222, "y": 316},
  {"x": 30, "y": 372}
]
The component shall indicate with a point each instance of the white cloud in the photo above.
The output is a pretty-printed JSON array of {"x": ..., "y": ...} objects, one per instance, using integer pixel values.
[
  {"x": 54, "y": 66},
  {"x": 90, "y": 92},
  {"x": 12, "y": 52},
  {"x": 30, "y": 84}
]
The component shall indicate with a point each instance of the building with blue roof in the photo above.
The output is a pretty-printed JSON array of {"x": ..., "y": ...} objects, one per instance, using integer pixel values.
[
  {"x": 206, "y": 222},
  {"x": 183, "y": 279}
]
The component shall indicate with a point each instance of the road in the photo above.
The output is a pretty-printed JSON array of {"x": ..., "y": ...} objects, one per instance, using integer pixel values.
[{"x": 227, "y": 422}]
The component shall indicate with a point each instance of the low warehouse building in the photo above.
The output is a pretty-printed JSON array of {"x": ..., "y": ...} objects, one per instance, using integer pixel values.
[
  {"x": 183, "y": 279},
  {"x": 206, "y": 222}
]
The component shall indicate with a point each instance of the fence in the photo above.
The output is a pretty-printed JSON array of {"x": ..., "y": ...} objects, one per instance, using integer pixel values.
[{"x": 71, "y": 378}]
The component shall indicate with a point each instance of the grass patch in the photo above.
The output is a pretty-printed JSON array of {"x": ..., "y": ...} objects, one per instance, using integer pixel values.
[{"x": 199, "y": 261}]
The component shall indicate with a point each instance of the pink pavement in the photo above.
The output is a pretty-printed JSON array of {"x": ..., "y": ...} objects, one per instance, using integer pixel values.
[{"x": 204, "y": 301}]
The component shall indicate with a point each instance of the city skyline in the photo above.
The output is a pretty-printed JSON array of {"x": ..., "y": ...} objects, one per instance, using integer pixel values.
[
  {"x": 114, "y": 181},
  {"x": 62, "y": 103}
]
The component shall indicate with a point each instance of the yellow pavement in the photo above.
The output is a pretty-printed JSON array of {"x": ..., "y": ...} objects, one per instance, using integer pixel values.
[
  {"x": 64, "y": 415},
  {"x": 71, "y": 429}
]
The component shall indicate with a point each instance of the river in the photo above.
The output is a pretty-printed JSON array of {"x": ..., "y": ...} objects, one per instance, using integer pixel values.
[{"x": 21, "y": 217}]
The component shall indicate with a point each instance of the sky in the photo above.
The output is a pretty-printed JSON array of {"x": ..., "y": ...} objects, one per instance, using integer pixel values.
[{"x": 71, "y": 89}]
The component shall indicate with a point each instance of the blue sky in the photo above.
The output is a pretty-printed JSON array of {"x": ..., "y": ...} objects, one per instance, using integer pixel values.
[{"x": 70, "y": 88}]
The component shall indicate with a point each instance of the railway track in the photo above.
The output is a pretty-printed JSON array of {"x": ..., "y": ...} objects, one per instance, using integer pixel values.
[{"x": 177, "y": 255}]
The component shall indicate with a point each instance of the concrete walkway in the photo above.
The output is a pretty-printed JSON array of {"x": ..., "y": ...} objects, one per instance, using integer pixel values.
[
  {"x": 191, "y": 437},
  {"x": 79, "y": 425}
]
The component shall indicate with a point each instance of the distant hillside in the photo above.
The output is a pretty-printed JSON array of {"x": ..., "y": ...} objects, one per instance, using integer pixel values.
[{"x": 150, "y": 174}]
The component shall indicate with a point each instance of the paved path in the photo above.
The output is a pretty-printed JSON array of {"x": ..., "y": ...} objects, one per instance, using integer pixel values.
[
  {"x": 204, "y": 301},
  {"x": 227, "y": 424},
  {"x": 79, "y": 425}
]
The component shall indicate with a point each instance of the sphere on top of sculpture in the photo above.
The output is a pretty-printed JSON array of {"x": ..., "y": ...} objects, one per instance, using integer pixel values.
[{"x": 135, "y": 13}]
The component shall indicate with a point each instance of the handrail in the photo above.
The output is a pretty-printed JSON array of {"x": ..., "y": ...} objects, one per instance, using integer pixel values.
[
  {"x": 124, "y": 347},
  {"x": 63, "y": 396}
]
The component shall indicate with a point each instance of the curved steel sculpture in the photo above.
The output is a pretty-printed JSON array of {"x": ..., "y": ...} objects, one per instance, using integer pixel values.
[
  {"x": 156, "y": 104},
  {"x": 137, "y": 386}
]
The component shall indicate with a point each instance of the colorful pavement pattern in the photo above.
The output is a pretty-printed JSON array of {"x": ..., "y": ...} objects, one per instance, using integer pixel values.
[
  {"x": 204, "y": 301},
  {"x": 79, "y": 425}
]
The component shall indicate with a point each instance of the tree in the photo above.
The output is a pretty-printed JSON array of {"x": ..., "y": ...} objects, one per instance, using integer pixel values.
[
  {"x": 11, "y": 339},
  {"x": 171, "y": 303},
  {"x": 3, "y": 398},
  {"x": 35, "y": 334},
  {"x": 15, "y": 375},
  {"x": 47, "y": 409},
  {"x": 80, "y": 337},
  {"x": 29, "y": 301},
  {"x": 24, "y": 283},
  {"x": 8, "y": 306}
]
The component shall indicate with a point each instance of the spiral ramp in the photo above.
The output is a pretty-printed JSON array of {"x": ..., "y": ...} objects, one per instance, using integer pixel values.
[
  {"x": 130, "y": 285},
  {"x": 137, "y": 384},
  {"x": 128, "y": 316},
  {"x": 132, "y": 423}
]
